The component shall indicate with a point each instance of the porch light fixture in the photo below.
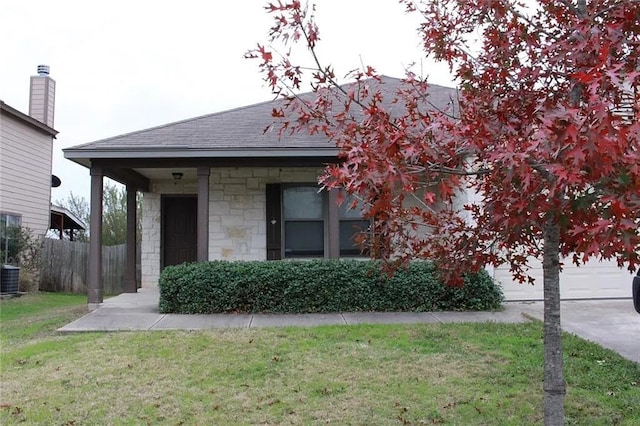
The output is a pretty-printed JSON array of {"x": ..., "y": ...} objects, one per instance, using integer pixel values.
[{"x": 177, "y": 175}]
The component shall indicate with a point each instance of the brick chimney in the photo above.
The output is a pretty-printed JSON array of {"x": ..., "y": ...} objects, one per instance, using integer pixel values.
[{"x": 42, "y": 96}]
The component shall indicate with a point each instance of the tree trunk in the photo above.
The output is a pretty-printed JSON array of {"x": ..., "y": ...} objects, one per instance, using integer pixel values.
[{"x": 554, "y": 384}]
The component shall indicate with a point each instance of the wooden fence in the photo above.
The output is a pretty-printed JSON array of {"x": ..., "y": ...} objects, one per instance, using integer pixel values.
[{"x": 64, "y": 267}]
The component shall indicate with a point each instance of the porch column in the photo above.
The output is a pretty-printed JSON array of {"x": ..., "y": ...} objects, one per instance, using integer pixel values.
[
  {"x": 203, "y": 214},
  {"x": 61, "y": 227},
  {"x": 95, "y": 285},
  {"x": 130, "y": 284},
  {"x": 333, "y": 225}
]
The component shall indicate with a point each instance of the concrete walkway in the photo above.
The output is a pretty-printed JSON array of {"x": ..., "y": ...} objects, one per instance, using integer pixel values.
[{"x": 613, "y": 324}]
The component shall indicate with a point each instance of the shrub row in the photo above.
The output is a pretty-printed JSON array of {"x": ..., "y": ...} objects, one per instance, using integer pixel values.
[{"x": 317, "y": 286}]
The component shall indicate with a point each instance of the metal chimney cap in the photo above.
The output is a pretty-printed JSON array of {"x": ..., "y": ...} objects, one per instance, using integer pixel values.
[{"x": 43, "y": 70}]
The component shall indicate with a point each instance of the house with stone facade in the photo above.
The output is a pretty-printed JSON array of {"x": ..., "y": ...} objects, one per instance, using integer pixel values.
[{"x": 218, "y": 187}]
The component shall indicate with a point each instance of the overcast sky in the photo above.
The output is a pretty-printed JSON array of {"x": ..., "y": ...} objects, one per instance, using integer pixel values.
[{"x": 122, "y": 66}]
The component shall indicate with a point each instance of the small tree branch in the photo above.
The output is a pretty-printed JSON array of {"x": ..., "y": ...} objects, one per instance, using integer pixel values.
[
  {"x": 605, "y": 11},
  {"x": 458, "y": 172}
]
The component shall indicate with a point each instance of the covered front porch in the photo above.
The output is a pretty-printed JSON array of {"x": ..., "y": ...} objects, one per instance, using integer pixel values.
[{"x": 222, "y": 204}]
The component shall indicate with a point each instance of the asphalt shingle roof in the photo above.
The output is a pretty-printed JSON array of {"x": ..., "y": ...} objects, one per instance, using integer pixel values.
[{"x": 237, "y": 129}]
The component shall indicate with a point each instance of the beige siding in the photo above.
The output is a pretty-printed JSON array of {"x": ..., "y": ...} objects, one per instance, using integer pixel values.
[
  {"x": 25, "y": 173},
  {"x": 41, "y": 105}
]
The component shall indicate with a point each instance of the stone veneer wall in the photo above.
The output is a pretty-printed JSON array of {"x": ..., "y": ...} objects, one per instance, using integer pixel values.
[{"x": 237, "y": 217}]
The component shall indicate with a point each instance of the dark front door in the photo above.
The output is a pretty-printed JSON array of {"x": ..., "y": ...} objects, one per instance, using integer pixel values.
[{"x": 179, "y": 229}]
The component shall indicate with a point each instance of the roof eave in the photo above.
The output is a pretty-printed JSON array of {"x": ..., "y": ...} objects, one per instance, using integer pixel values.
[
  {"x": 27, "y": 119},
  {"x": 145, "y": 152},
  {"x": 84, "y": 156},
  {"x": 77, "y": 222}
]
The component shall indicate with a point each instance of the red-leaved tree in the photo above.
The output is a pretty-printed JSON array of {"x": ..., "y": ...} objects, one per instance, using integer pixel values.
[{"x": 544, "y": 129}]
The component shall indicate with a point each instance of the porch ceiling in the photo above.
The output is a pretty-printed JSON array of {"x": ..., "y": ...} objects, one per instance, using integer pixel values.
[
  {"x": 140, "y": 172},
  {"x": 188, "y": 173}
]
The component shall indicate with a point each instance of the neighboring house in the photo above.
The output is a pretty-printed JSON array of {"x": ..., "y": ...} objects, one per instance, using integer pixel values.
[
  {"x": 218, "y": 187},
  {"x": 64, "y": 223},
  {"x": 26, "y": 145}
]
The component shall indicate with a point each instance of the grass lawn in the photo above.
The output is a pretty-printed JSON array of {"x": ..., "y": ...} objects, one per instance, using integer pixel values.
[{"x": 462, "y": 374}]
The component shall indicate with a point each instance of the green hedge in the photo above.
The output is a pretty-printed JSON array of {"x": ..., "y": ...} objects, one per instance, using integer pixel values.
[{"x": 317, "y": 286}]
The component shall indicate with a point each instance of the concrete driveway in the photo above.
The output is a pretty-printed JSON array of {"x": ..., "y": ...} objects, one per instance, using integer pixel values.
[{"x": 613, "y": 324}]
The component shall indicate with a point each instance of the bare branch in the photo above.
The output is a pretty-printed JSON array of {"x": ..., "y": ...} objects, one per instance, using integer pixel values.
[
  {"x": 422, "y": 203},
  {"x": 458, "y": 172}
]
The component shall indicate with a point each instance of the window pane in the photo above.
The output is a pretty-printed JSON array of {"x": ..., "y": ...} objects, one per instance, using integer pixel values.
[
  {"x": 9, "y": 220},
  {"x": 304, "y": 238},
  {"x": 302, "y": 202},
  {"x": 13, "y": 220},
  {"x": 348, "y": 230},
  {"x": 345, "y": 210},
  {"x": 9, "y": 237}
]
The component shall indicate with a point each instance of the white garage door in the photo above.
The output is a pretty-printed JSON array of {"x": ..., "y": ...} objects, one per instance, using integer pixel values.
[{"x": 595, "y": 280}]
